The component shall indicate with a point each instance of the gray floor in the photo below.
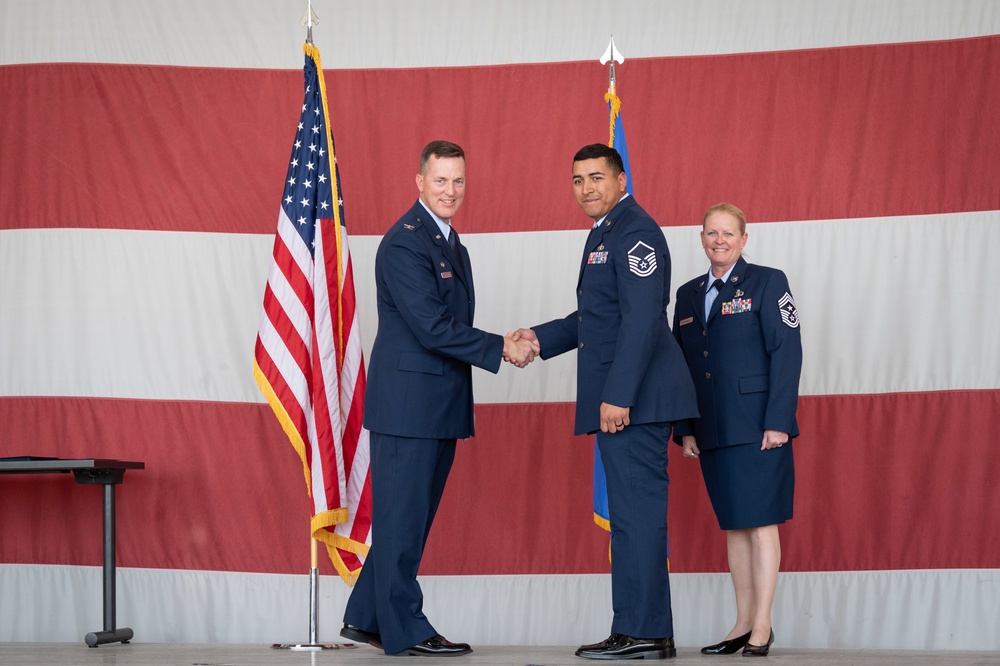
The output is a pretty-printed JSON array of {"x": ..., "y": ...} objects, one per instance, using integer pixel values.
[{"x": 60, "y": 654}]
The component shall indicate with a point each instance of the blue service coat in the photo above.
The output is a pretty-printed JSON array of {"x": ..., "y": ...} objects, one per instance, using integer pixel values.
[
  {"x": 625, "y": 353},
  {"x": 745, "y": 361},
  {"x": 418, "y": 401},
  {"x": 420, "y": 374}
]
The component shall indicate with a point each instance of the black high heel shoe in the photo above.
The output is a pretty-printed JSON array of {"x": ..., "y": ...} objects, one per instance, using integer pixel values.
[
  {"x": 752, "y": 650},
  {"x": 727, "y": 647}
]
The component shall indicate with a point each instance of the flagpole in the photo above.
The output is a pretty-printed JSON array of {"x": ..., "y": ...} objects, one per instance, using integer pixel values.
[
  {"x": 309, "y": 20},
  {"x": 313, "y": 590},
  {"x": 615, "y": 128},
  {"x": 313, "y": 644},
  {"x": 612, "y": 55},
  {"x": 602, "y": 514}
]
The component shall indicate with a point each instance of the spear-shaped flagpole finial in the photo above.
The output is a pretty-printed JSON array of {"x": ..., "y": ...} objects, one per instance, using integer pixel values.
[
  {"x": 612, "y": 54},
  {"x": 309, "y": 19}
]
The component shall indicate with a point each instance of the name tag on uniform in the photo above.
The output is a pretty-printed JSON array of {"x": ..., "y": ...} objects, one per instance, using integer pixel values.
[
  {"x": 686, "y": 321},
  {"x": 446, "y": 274},
  {"x": 597, "y": 258},
  {"x": 736, "y": 306}
]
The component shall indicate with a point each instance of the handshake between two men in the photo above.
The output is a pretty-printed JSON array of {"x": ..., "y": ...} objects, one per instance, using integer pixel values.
[{"x": 520, "y": 347}]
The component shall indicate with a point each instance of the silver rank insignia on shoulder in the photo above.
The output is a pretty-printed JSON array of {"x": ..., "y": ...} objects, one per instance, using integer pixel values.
[
  {"x": 408, "y": 226},
  {"x": 789, "y": 315},
  {"x": 642, "y": 260}
]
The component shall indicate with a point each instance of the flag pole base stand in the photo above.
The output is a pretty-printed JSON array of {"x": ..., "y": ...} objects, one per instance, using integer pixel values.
[{"x": 313, "y": 647}]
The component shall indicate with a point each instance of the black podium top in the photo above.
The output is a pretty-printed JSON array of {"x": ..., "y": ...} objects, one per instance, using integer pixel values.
[
  {"x": 86, "y": 470},
  {"x": 37, "y": 464}
]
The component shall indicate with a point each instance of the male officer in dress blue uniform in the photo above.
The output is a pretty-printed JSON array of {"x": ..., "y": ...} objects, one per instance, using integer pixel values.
[
  {"x": 418, "y": 401},
  {"x": 631, "y": 384}
]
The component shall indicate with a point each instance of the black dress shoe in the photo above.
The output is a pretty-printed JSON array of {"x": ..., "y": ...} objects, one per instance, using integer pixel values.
[
  {"x": 620, "y": 646},
  {"x": 359, "y": 636},
  {"x": 438, "y": 646},
  {"x": 728, "y": 647},
  {"x": 752, "y": 650}
]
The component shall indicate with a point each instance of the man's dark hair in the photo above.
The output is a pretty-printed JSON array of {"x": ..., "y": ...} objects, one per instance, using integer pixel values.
[
  {"x": 440, "y": 149},
  {"x": 610, "y": 155}
]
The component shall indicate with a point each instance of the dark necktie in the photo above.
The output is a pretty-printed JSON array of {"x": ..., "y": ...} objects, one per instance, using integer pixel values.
[
  {"x": 710, "y": 298},
  {"x": 453, "y": 242}
]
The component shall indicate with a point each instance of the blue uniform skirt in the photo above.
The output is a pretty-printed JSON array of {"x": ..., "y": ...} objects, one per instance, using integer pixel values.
[{"x": 749, "y": 487}]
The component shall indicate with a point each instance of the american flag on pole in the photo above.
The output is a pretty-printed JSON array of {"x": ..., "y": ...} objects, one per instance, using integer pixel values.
[{"x": 308, "y": 361}]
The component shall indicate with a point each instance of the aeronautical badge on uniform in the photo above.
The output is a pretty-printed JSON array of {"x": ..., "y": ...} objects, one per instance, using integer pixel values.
[
  {"x": 642, "y": 259},
  {"x": 789, "y": 314}
]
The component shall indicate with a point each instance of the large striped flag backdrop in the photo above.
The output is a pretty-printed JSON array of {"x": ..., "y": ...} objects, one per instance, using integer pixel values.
[
  {"x": 138, "y": 179},
  {"x": 308, "y": 360}
]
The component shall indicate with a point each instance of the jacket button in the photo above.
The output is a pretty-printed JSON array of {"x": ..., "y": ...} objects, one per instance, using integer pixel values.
[
  {"x": 579, "y": 319},
  {"x": 581, "y": 345},
  {"x": 704, "y": 332},
  {"x": 708, "y": 375},
  {"x": 705, "y": 353},
  {"x": 579, "y": 292}
]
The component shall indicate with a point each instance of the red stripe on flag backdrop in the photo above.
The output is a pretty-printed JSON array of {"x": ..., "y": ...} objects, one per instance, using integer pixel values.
[
  {"x": 873, "y": 491},
  {"x": 801, "y": 135}
]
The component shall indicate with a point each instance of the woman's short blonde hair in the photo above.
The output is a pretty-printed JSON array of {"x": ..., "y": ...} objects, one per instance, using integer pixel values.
[{"x": 727, "y": 208}]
